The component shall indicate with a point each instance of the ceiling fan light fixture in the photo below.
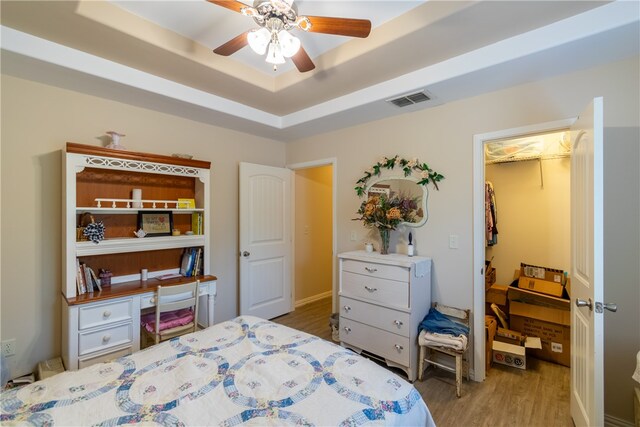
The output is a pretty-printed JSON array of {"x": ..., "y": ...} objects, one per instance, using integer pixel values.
[
  {"x": 274, "y": 54},
  {"x": 289, "y": 44},
  {"x": 259, "y": 40}
]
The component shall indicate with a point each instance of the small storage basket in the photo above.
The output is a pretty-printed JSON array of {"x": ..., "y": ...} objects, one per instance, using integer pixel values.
[{"x": 85, "y": 218}]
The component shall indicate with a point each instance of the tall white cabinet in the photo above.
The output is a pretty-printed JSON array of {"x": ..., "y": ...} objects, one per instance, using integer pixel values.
[
  {"x": 98, "y": 183},
  {"x": 383, "y": 298}
]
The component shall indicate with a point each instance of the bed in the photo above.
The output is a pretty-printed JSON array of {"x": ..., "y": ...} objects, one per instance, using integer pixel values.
[{"x": 246, "y": 371}]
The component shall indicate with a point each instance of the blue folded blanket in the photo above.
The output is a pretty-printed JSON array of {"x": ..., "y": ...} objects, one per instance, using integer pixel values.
[{"x": 437, "y": 322}]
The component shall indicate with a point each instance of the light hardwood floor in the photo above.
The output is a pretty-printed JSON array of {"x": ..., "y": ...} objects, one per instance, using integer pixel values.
[{"x": 538, "y": 396}]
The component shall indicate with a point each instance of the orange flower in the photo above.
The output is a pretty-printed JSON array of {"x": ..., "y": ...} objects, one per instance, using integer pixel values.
[{"x": 394, "y": 213}]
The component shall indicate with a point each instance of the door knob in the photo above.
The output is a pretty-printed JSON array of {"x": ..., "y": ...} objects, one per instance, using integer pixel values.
[
  {"x": 600, "y": 307},
  {"x": 583, "y": 303},
  {"x": 246, "y": 253}
]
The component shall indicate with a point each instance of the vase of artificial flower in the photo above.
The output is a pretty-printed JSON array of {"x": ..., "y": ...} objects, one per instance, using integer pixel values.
[
  {"x": 385, "y": 213},
  {"x": 385, "y": 234}
]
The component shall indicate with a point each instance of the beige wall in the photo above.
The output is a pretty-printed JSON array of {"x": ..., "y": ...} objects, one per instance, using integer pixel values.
[
  {"x": 37, "y": 121},
  {"x": 443, "y": 136},
  {"x": 314, "y": 232},
  {"x": 533, "y": 221}
]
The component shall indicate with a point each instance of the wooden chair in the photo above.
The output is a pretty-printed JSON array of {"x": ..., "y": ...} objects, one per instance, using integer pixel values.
[
  {"x": 176, "y": 312},
  {"x": 427, "y": 352}
]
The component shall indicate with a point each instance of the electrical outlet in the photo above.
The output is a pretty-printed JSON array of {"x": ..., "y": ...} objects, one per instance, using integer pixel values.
[
  {"x": 453, "y": 241},
  {"x": 9, "y": 347},
  {"x": 354, "y": 236}
]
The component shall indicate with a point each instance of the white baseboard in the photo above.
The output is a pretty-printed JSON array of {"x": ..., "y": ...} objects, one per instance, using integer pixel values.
[
  {"x": 611, "y": 421},
  {"x": 314, "y": 298}
]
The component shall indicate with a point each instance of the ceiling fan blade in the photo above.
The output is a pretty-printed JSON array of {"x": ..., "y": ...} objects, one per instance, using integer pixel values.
[
  {"x": 234, "y": 5},
  {"x": 340, "y": 26},
  {"x": 302, "y": 61},
  {"x": 233, "y": 45}
]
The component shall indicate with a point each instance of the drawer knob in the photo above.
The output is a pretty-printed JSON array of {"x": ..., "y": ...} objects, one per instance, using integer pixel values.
[
  {"x": 106, "y": 314},
  {"x": 106, "y": 338},
  {"x": 347, "y": 329},
  {"x": 371, "y": 269},
  {"x": 370, "y": 289},
  {"x": 398, "y": 323},
  {"x": 399, "y": 347},
  {"x": 347, "y": 308},
  {"x": 152, "y": 300}
]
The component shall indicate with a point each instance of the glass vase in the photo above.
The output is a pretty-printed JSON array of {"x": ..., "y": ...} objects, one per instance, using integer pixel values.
[{"x": 385, "y": 234}]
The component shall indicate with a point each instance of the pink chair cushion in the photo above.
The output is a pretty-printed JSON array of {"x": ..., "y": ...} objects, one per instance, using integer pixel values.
[{"x": 168, "y": 320}]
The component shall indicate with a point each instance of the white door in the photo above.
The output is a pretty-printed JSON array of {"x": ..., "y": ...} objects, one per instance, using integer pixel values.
[
  {"x": 587, "y": 387},
  {"x": 265, "y": 240}
]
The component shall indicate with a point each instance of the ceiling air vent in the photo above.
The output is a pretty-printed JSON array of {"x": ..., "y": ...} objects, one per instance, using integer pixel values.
[{"x": 410, "y": 99}]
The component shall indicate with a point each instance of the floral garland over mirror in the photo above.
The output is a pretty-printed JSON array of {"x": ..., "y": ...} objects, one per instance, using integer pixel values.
[
  {"x": 386, "y": 212},
  {"x": 427, "y": 174}
]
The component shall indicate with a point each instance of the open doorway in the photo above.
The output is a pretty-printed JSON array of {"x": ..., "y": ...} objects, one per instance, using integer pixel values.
[
  {"x": 314, "y": 232},
  {"x": 525, "y": 212}
]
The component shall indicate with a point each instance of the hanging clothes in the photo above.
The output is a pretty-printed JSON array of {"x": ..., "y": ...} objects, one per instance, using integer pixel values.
[{"x": 491, "y": 214}]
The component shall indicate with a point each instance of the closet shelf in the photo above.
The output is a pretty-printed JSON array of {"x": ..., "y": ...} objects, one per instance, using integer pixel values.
[{"x": 134, "y": 244}]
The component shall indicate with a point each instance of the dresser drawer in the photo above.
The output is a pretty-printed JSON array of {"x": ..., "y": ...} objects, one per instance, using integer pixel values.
[
  {"x": 391, "y": 272},
  {"x": 105, "y": 313},
  {"x": 382, "y": 291},
  {"x": 382, "y": 343},
  {"x": 394, "y": 321},
  {"x": 105, "y": 338}
]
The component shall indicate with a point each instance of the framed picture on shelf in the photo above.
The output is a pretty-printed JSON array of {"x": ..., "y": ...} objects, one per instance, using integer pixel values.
[{"x": 155, "y": 223}]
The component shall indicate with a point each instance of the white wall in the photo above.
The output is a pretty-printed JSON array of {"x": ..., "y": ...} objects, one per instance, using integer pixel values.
[
  {"x": 533, "y": 220},
  {"x": 443, "y": 136},
  {"x": 37, "y": 121}
]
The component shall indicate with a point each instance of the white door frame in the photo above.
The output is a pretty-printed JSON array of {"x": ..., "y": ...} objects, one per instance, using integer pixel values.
[
  {"x": 479, "y": 228},
  {"x": 333, "y": 161}
]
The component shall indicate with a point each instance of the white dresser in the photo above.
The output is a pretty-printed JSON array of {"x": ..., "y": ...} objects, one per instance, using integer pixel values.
[{"x": 383, "y": 298}]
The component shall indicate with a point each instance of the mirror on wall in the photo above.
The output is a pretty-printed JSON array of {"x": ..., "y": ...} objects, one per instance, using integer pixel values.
[
  {"x": 406, "y": 188},
  {"x": 396, "y": 192}
]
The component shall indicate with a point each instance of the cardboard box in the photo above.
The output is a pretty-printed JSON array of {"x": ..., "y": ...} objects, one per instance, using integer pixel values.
[
  {"x": 490, "y": 326},
  {"x": 542, "y": 286},
  {"x": 489, "y": 274},
  {"x": 545, "y": 280},
  {"x": 546, "y": 317},
  {"x": 543, "y": 273},
  {"x": 514, "y": 355},
  {"x": 497, "y": 294},
  {"x": 509, "y": 336},
  {"x": 555, "y": 338}
]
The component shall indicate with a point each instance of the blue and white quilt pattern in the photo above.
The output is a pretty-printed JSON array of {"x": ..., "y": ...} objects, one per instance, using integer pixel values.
[{"x": 246, "y": 371}]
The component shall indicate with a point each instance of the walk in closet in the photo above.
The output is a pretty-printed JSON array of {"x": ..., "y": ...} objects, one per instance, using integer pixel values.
[{"x": 527, "y": 210}]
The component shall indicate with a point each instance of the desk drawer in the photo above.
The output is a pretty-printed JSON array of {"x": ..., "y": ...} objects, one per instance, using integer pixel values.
[
  {"x": 391, "y": 272},
  {"x": 380, "y": 317},
  {"x": 382, "y": 343},
  {"x": 105, "y": 338},
  {"x": 381, "y": 291},
  {"x": 92, "y": 315}
]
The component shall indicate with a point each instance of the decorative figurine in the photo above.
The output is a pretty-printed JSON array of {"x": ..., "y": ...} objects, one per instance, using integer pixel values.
[{"x": 140, "y": 233}]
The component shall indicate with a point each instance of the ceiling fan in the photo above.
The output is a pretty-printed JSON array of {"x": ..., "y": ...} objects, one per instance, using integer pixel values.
[{"x": 276, "y": 18}]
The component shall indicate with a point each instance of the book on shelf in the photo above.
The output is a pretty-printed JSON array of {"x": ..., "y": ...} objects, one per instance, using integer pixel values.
[
  {"x": 80, "y": 278},
  {"x": 186, "y": 203},
  {"x": 94, "y": 278},
  {"x": 196, "y": 223},
  {"x": 191, "y": 264},
  {"x": 87, "y": 278},
  {"x": 186, "y": 265}
]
